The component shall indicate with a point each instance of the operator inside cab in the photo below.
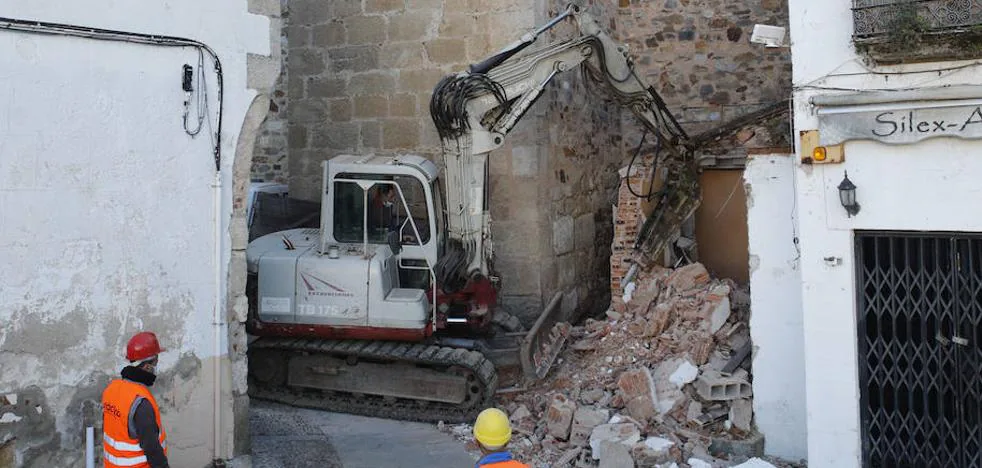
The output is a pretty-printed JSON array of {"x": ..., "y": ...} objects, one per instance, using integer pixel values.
[{"x": 382, "y": 211}]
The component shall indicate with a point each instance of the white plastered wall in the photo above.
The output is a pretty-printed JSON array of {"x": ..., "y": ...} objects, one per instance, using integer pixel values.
[
  {"x": 108, "y": 214},
  {"x": 775, "y": 314},
  {"x": 931, "y": 185}
]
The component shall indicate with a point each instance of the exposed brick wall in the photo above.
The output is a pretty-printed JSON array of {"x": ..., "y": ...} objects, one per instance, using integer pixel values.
[{"x": 628, "y": 219}]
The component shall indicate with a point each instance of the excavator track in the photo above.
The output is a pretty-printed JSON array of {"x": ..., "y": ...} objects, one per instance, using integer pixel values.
[{"x": 271, "y": 359}]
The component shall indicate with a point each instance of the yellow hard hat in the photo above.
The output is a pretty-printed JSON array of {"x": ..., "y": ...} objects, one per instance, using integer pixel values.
[{"x": 492, "y": 429}]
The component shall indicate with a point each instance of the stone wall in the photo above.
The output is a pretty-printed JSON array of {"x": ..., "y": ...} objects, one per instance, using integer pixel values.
[
  {"x": 360, "y": 75},
  {"x": 270, "y": 160},
  {"x": 698, "y": 55}
]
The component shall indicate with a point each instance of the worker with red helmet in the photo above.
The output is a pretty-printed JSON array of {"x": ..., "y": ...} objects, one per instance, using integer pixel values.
[{"x": 132, "y": 435}]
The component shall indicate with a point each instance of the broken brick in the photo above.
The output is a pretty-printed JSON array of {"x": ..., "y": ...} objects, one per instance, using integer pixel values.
[
  {"x": 688, "y": 277},
  {"x": 559, "y": 417}
]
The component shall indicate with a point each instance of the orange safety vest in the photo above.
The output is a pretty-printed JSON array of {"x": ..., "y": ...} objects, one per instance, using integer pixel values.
[{"x": 119, "y": 402}]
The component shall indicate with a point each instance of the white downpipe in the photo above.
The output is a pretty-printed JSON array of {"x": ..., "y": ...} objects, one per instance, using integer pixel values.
[
  {"x": 89, "y": 447},
  {"x": 217, "y": 318}
]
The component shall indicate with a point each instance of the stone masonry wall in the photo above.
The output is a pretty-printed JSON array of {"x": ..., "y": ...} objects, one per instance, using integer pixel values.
[
  {"x": 270, "y": 161},
  {"x": 698, "y": 54}
]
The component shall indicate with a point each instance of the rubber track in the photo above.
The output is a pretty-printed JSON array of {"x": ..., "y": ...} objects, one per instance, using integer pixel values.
[{"x": 368, "y": 405}]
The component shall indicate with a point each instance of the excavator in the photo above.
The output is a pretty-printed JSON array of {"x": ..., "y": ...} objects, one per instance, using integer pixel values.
[{"x": 389, "y": 309}]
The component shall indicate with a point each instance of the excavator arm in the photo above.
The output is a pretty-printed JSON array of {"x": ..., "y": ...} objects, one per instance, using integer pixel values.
[{"x": 475, "y": 110}]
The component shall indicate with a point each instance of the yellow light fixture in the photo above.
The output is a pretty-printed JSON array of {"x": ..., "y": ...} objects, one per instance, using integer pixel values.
[{"x": 819, "y": 154}]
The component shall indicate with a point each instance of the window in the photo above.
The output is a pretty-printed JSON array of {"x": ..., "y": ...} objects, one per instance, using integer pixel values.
[
  {"x": 385, "y": 210},
  {"x": 892, "y": 31}
]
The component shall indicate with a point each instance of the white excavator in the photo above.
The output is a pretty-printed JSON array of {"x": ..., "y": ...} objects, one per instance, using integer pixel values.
[{"x": 388, "y": 309}]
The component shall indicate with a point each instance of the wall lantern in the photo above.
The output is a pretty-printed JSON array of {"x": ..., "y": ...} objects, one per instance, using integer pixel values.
[{"x": 847, "y": 195}]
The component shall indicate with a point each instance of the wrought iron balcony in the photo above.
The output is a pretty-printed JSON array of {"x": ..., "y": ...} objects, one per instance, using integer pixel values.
[{"x": 898, "y": 30}]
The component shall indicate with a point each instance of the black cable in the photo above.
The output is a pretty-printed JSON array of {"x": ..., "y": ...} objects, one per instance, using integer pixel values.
[{"x": 59, "y": 29}]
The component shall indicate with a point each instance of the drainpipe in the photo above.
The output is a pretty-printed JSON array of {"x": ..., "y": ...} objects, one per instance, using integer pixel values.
[{"x": 218, "y": 322}]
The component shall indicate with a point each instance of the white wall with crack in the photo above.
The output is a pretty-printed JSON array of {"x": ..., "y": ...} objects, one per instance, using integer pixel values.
[{"x": 112, "y": 219}]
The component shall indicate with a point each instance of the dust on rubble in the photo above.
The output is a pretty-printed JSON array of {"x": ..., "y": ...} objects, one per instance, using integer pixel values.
[{"x": 663, "y": 381}]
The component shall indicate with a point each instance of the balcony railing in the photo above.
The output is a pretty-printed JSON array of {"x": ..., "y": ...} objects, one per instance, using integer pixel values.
[
  {"x": 919, "y": 29},
  {"x": 876, "y": 17}
]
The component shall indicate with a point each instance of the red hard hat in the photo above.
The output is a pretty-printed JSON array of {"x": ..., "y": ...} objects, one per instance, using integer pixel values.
[{"x": 143, "y": 345}]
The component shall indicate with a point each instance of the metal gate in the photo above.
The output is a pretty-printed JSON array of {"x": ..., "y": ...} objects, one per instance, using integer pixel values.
[{"x": 920, "y": 331}]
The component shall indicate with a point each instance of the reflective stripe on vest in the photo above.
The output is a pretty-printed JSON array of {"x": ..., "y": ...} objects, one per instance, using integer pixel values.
[{"x": 119, "y": 401}]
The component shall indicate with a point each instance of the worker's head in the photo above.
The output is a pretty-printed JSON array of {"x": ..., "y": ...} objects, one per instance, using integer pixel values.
[
  {"x": 142, "y": 351},
  {"x": 492, "y": 430}
]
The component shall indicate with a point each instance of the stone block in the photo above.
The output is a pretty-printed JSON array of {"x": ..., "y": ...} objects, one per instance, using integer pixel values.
[
  {"x": 325, "y": 87},
  {"x": 340, "y": 110},
  {"x": 402, "y": 55},
  {"x": 371, "y": 84},
  {"x": 400, "y": 134},
  {"x": 412, "y": 26},
  {"x": 383, "y": 6},
  {"x": 366, "y": 107},
  {"x": 352, "y": 58},
  {"x": 584, "y": 231},
  {"x": 615, "y": 455},
  {"x": 342, "y": 136},
  {"x": 297, "y": 136},
  {"x": 713, "y": 386},
  {"x": 371, "y": 134},
  {"x": 365, "y": 30},
  {"x": 567, "y": 270},
  {"x": 626, "y": 434},
  {"x": 402, "y": 105},
  {"x": 562, "y": 235},
  {"x": 419, "y": 81},
  {"x": 446, "y": 50},
  {"x": 306, "y": 62},
  {"x": 307, "y": 12},
  {"x": 741, "y": 414},
  {"x": 312, "y": 111},
  {"x": 559, "y": 417},
  {"x": 525, "y": 161},
  {"x": 327, "y": 35},
  {"x": 585, "y": 420},
  {"x": 457, "y": 25}
]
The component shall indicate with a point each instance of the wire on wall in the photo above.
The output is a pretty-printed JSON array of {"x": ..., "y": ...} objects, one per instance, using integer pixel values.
[{"x": 58, "y": 29}]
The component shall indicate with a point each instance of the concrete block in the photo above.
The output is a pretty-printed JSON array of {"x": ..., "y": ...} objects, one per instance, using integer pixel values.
[
  {"x": 653, "y": 451},
  {"x": 559, "y": 417},
  {"x": 615, "y": 455},
  {"x": 562, "y": 235},
  {"x": 713, "y": 386},
  {"x": 752, "y": 446},
  {"x": 755, "y": 463},
  {"x": 584, "y": 421},
  {"x": 626, "y": 434},
  {"x": 741, "y": 414}
]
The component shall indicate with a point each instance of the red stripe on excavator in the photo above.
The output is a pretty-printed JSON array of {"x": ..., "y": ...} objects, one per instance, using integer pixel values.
[{"x": 341, "y": 333}]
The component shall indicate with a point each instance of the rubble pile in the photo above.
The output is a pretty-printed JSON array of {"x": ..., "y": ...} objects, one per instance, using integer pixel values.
[{"x": 663, "y": 381}]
